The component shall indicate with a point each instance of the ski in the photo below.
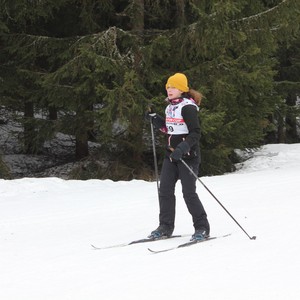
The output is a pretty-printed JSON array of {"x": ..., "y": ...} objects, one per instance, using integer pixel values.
[
  {"x": 145, "y": 240},
  {"x": 187, "y": 244}
]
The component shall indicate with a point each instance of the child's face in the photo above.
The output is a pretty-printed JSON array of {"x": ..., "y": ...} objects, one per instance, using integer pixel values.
[{"x": 173, "y": 93}]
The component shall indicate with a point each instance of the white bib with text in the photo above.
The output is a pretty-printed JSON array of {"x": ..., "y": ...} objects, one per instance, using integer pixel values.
[{"x": 174, "y": 120}]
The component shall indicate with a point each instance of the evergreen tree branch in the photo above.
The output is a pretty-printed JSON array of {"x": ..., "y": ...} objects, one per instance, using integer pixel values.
[{"x": 258, "y": 15}]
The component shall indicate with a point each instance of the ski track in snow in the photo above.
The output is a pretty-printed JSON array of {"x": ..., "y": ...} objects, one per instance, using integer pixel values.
[{"x": 47, "y": 226}]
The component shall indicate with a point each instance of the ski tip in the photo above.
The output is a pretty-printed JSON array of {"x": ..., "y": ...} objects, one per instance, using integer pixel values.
[
  {"x": 156, "y": 251},
  {"x": 225, "y": 235},
  {"x": 94, "y": 247}
]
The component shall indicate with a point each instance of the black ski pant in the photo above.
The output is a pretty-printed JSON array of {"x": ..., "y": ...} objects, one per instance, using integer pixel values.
[{"x": 170, "y": 173}]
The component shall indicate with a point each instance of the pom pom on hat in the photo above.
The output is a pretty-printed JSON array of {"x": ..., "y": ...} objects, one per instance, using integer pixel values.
[{"x": 178, "y": 81}]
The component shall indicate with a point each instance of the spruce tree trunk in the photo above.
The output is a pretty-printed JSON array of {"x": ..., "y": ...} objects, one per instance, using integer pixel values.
[
  {"x": 281, "y": 131},
  {"x": 82, "y": 149},
  {"x": 81, "y": 135},
  {"x": 180, "y": 18},
  {"x": 136, "y": 134},
  {"x": 29, "y": 128},
  {"x": 291, "y": 121},
  {"x": 52, "y": 113}
]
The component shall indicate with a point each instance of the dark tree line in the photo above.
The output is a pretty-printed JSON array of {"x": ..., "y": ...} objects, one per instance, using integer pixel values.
[{"x": 91, "y": 68}]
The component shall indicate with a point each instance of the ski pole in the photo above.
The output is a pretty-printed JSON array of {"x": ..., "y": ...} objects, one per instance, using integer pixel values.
[
  {"x": 154, "y": 157},
  {"x": 193, "y": 173}
]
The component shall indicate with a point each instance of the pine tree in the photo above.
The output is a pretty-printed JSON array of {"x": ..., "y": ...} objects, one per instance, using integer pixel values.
[
  {"x": 22, "y": 64},
  {"x": 228, "y": 53},
  {"x": 97, "y": 65},
  {"x": 288, "y": 86}
]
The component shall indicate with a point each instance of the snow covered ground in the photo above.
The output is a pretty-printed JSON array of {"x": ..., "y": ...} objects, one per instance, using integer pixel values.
[{"x": 47, "y": 227}]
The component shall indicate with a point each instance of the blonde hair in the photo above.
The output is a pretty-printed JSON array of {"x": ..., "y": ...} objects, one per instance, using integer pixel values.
[{"x": 197, "y": 96}]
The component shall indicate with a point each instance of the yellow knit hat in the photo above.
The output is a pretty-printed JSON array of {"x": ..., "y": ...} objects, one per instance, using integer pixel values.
[{"x": 178, "y": 81}]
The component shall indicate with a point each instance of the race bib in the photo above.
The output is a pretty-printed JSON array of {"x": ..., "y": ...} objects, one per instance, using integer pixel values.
[{"x": 174, "y": 120}]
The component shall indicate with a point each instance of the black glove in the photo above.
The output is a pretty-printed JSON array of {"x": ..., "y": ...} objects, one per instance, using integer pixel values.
[
  {"x": 150, "y": 115},
  {"x": 156, "y": 120},
  {"x": 180, "y": 150},
  {"x": 176, "y": 155}
]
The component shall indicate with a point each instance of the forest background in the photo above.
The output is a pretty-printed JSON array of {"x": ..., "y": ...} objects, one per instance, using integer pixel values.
[{"x": 90, "y": 69}]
